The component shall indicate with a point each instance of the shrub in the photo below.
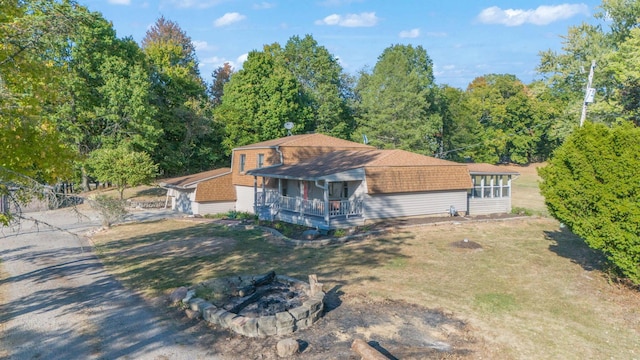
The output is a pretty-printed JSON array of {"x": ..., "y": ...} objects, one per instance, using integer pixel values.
[
  {"x": 111, "y": 210},
  {"x": 592, "y": 184}
]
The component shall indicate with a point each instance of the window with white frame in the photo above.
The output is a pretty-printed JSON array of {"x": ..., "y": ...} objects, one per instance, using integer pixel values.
[
  {"x": 260, "y": 160},
  {"x": 491, "y": 186},
  {"x": 243, "y": 160}
]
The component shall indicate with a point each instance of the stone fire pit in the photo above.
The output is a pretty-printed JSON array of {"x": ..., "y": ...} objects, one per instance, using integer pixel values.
[{"x": 259, "y": 305}]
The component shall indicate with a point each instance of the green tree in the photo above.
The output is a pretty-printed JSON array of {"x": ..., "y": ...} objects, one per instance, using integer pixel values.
[
  {"x": 191, "y": 138},
  {"x": 325, "y": 87},
  {"x": 30, "y": 144},
  {"x": 397, "y": 107},
  {"x": 503, "y": 107},
  {"x": 592, "y": 185},
  {"x": 259, "y": 99},
  {"x": 122, "y": 167},
  {"x": 461, "y": 134}
]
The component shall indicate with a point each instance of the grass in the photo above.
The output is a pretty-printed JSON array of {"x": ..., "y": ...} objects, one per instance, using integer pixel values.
[{"x": 533, "y": 290}]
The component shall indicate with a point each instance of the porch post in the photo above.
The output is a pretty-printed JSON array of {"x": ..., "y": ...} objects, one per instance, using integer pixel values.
[
  {"x": 255, "y": 195},
  {"x": 325, "y": 195},
  {"x": 264, "y": 193}
]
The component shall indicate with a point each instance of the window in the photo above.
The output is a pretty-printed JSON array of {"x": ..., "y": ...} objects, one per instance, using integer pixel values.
[
  {"x": 260, "y": 160},
  {"x": 243, "y": 160},
  {"x": 490, "y": 186},
  {"x": 339, "y": 190}
]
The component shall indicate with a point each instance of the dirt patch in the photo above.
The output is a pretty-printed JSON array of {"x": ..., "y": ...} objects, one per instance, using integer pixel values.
[
  {"x": 466, "y": 244},
  {"x": 397, "y": 329}
]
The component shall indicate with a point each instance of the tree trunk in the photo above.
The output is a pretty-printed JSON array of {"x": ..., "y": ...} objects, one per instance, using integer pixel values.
[{"x": 85, "y": 179}]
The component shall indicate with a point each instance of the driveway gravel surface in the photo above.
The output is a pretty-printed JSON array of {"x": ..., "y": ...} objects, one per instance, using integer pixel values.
[{"x": 58, "y": 302}]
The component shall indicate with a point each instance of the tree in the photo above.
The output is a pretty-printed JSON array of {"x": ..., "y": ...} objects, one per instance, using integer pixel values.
[
  {"x": 190, "y": 141},
  {"x": 397, "y": 107},
  {"x": 592, "y": 185},
  {"x": 30, "y": 144},
  {"x": 503, "y": 107},
  {"x": 325, "y": 87},
  {"x": 220, "y": 76},
  {"x": 122, "y": 167},
  {"x": 259, "y": 99},
  {"x": 461, "y": 134}
]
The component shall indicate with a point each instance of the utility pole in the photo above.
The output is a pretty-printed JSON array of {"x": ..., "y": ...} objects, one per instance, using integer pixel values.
[{"x": 589, "y": 93}]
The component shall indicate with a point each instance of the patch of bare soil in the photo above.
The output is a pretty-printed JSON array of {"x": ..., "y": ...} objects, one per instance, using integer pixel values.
[
  {"x": 396, "y": 329},
  {"x": 466, "y": 244}
]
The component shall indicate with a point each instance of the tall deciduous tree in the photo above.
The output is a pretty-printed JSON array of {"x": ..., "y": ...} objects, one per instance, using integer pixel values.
[
  {"x": 592, "y": 185},
  {"x": 220, "y": 76},
  {"x": 190, "y": 142},
  {"x": 259, "y": 99},
  {"x": 325, "y": 87},
  {"x": 30, "y": 143},
  {"x": 397, "y": 106},
  {"x": 503, "y": 107}
]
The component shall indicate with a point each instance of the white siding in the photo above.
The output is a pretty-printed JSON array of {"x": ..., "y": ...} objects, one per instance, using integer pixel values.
[
  {"x": 244, "y": 199},
  {"x": 181, "y": 200},
  {"x": 414, "y": 204},
  {"x": 484, "y": 206},
  {"x": 213, "y": 207}
]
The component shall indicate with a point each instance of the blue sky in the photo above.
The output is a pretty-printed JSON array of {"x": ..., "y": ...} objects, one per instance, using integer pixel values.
[{"x": 465, "y": 39}]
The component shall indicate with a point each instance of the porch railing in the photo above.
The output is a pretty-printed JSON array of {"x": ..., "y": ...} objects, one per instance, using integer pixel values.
[{"x": 313, "y": 207}]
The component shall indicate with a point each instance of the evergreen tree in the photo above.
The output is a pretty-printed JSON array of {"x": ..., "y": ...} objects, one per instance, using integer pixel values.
[{"x": 592, "y": 185}]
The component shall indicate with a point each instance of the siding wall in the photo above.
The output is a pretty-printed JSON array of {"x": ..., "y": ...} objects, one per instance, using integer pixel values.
[
  {"x": 244, "y": 202},
  {"x": 181, "y": 200},
  {"x": 414, "y": 204},
  {"x": 484, "y": 206},
  {"x": 213, "y": 207}
]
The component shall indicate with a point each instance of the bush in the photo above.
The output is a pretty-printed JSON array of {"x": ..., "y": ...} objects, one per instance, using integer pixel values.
[
  {"x": 111, "y": 210},
  {"x": 592, "y": 184}
]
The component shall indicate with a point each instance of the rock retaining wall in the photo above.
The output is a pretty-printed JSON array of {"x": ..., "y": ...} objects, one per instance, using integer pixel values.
[{"x": 281, "y": 323}]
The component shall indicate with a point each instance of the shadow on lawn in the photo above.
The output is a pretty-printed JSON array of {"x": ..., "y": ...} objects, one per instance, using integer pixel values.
[
  {"x": 568, "y": 245},
  {"x": 212, "y": 250}
]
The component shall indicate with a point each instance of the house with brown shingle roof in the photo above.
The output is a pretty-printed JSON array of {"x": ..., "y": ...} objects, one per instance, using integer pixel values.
[
  {"x": 208, "y": 192},
  {"x": 325, "y": 182},
  {"x": 346, "y": 188}
]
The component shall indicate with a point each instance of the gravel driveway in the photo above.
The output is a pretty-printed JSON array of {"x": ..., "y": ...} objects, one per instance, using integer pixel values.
[{"x": 57, "y": 301}]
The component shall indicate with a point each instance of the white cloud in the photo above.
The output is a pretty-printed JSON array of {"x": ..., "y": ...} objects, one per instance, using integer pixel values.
[
  {"x": 242, "y": 58},
  {"x": 413, "y": 33},
  {"x": 228, "y": 19},
  {"x": 202, "y": 45},
  {"x": 119, "y": 2},
  {"x": 365, "y": 19},
  {"x": 263, "y": 5},
  {"x": 542, "y": 15}
]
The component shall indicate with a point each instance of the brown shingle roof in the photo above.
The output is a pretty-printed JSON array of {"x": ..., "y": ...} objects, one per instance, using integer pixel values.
[
  {"x": 217, "y": 189},
  {"x": 483, "y": 168},
  {"x": 306, "y": 140},
  {"x": 192, "y": 180},
  {"x": 387, "y": 171}
]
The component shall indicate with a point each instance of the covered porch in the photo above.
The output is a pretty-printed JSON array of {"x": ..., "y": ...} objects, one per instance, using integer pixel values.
[{"x": 324, "y": 202}]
